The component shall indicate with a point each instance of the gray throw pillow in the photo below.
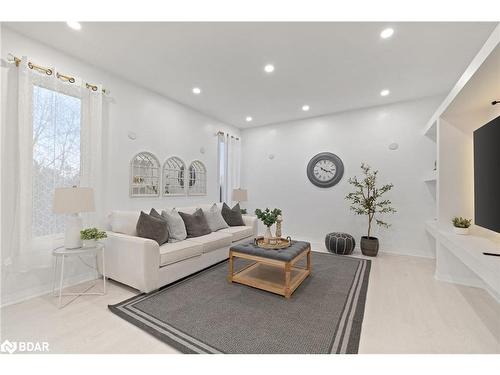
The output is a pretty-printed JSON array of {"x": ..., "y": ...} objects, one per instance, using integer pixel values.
[
  {"x": 196, "y": 224},
  {"x": 176, "y": 228},
  {"x": 232, "y": 216},
  {"x": 156, "y": 215},
  {"x": 214, "y": 218},
  {"x": 152, "y": 228}
]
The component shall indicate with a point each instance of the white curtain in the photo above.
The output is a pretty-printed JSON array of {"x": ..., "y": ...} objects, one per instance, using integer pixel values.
[
  {"x": 26, "y": 257},
  {"x": 232, "y": 166}
]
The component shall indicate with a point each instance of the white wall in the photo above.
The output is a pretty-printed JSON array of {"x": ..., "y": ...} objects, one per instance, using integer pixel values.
[
  {"x": 356, "y": 136},
  {"x": 163, "y": 127}
]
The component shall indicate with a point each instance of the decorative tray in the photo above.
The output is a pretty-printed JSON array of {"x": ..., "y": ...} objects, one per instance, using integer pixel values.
[{"x": 275, "y": 243}]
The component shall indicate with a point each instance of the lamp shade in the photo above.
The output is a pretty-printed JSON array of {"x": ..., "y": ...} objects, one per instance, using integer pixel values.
[
  {"x": 240, "y": 195},
  {"x": 73, "y": 200}
]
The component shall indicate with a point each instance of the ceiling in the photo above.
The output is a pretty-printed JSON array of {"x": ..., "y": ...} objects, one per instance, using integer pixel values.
[{"x": 331, "y": 67}]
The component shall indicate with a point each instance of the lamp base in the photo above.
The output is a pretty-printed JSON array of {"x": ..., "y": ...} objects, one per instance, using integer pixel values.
[{"x": 72, "y": 238}]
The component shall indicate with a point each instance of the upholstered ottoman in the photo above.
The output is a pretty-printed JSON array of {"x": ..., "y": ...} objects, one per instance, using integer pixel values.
[{"x": 340, "y": 243}]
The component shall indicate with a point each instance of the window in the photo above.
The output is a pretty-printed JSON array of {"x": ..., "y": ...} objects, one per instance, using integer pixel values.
[{"x": 56, "y": 154}]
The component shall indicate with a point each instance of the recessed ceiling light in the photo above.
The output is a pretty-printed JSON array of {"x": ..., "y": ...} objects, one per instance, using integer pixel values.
[
  {"x": 196, "y": 90},
  {"x": 305, "y": 108},
  {"x": 248, "y": 118},
  {"x": 74, "y": 25},
  {"x": 269, "y": 68},
  {"x": 387, "y": 33},
  {"x": 384, "y": 92}
]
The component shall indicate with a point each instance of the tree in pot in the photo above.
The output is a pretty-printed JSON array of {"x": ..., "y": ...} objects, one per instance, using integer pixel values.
[{"x": 367, "y": 200}]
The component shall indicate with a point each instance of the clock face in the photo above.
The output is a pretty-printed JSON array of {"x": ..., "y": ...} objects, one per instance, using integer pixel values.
[{"x": 325, "y": 169}]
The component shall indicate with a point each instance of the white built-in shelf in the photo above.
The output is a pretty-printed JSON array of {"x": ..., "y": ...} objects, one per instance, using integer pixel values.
[
  {"x": 432, "y": 227},
  {"x": 431, "y": 176},
  {"x": 431, "y": 130}
]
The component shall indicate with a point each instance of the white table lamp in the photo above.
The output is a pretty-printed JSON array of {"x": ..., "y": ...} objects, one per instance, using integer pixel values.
[
  {"x": 240, "y": 195},
  {"x": 72, "y": 201}
]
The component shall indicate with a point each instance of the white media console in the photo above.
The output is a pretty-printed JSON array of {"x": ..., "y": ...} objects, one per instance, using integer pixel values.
[{"x": 467, "y": 107}]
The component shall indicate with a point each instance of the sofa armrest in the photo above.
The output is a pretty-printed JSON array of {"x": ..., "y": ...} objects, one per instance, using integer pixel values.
[
  {"x": 251, "y": 221},
  {"x": 131, "y": 260}
]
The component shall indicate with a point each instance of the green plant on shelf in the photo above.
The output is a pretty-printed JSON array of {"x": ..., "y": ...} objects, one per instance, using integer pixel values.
[
  {"x": 92, "y": 234},
  {"x": 460, "y": 222}
]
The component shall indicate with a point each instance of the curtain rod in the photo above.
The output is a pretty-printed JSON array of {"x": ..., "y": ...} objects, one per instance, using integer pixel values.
[
  {"x": 220, "y": 132},
  {"x": 16, "y": 60}
]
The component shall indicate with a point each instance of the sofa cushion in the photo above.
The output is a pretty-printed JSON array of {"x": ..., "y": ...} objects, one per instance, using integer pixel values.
[
  {"x": 214, "y": 218},
  {"x": 213, "y": 241},
  {"x": 175, "y": 252},
  {"x": 176, "y": 228},
  {"x": 239, "y": 232},
  {"x": 152, "y": 228},
  {"x": 124, "y": 222},
  {"x": 156, "y": 215},
  {"x": 196, "y": 224},
  {"x": 232, "y": 216}
]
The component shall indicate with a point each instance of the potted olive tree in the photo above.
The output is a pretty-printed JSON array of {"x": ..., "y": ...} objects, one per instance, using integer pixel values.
[{"x": 367, "y": 200}]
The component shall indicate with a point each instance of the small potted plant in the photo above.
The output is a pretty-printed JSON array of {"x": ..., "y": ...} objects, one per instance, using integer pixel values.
[
  {"x": 91, "y": 235},
  {"x": 461, "y": 225},
  {"x": 268, "y": 218},
  {"x": 367, "y": 200}
]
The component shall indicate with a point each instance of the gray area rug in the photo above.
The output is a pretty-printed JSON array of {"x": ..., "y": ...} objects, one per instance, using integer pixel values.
[{"x": 203, "y": 313}]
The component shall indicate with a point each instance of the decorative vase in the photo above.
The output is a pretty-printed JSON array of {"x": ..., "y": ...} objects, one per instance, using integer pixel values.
[
  {"x": 267, "y": 234},
  {"x": 369, "y": 246},
  {"x": 278, "y": 228},
  {"x": 89, "y": 243},
  {"x": 461, "y": 231}
]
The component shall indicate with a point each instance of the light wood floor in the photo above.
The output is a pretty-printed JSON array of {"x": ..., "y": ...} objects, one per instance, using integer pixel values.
[{"x": 407, "y": 311}]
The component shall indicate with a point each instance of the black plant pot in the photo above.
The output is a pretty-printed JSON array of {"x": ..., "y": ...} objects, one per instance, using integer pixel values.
[{"x": 369, "y": 246}]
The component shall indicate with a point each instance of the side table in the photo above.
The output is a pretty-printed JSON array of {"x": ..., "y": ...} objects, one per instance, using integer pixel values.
[{"x": 63, "y": 253}]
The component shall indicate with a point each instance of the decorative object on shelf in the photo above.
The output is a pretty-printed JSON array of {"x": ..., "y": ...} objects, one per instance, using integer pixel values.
[
  {"x": 340, "y": 243},
  {"x": 132, "y": 136},
  {"x": 435, "y": 165},
  {"x": 73, "y": 201},
  {"x": 268, "y": 218},
  {"x": 279, "y": 220},
  {"x": 202, "y": 150},
  {"x": 271, "y": 156},
  {"x": 90, "y": 236},
  {"x": 144, "y": 175},
  {"x": 366, "y": 200},
  {"x": 461, "y": 225},
  {"x": 274, "y": 243},
  {"x": 174, "y": 174},
  {"x": 197, "y": 184},
  {"x": 325, "y": 170}
]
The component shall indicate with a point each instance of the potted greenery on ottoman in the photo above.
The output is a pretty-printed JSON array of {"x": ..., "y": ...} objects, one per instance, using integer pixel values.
[
  {"x": 367, "y": 200},
  {"x": 91, "y": 235},
  {"x": 268, "y": 218}
]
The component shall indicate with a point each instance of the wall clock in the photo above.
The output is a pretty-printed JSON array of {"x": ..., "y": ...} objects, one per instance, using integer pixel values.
[{"x": 325, "y": 170}]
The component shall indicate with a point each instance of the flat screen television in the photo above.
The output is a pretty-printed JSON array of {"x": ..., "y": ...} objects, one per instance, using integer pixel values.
[{"x": 487, "y": 175}]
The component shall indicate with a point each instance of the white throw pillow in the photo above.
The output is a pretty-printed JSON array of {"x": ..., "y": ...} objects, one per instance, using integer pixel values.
[
  {"x": 124, "y": 222},
  {"x": 176, "y": 227},
  {"x": 214, "y": 218}
]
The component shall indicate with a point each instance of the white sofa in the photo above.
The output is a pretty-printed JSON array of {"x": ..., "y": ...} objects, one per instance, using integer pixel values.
[{"x": 144, "y": 265}]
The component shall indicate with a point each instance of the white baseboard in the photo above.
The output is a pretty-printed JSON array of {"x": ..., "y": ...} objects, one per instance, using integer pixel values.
[{"x": 24, "y": 295}]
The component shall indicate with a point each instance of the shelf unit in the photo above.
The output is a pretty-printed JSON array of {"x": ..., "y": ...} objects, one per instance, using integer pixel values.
[{"x": 460, "y": 259}]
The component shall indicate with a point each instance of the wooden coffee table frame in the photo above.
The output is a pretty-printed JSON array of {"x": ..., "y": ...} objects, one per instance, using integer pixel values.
[{"x": 293, "y": 276}]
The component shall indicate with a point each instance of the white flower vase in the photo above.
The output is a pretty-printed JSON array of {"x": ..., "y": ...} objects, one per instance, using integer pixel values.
[
  {"x": 89, "y": 243},
  {"x": 461, "y": 231},
  {"x": 267, "y": 234}
]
